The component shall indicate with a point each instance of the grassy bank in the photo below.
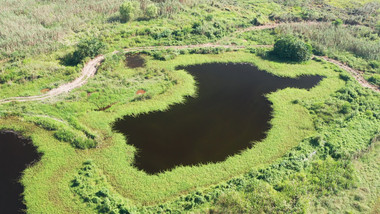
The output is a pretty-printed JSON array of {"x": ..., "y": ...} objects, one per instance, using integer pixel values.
[
  {"x": 290, "y": 124},
  {"x": 316, "y": 134}
]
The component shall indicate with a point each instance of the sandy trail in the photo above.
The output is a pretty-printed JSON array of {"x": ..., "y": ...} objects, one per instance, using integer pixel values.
[
  {"x": 88, "y": 71},
  {"x": 90, "y": 68},
  {"x": 358, "y": 75}
]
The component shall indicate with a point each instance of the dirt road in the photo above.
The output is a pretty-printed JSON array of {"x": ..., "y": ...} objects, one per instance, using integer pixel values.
[
  {"x": 358, "y": 75},
  {"x": 90, "y": 68}
]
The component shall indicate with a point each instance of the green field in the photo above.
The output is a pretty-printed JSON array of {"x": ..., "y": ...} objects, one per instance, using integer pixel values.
[{"x": 320, "y": 155}]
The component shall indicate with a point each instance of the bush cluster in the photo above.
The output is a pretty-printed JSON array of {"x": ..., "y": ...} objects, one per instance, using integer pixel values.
[
  {"x": 75, "y": 138},
  {"x": 91, "y": 186},
  {"x": 128, "y": 10},
  {"x": 85, "y": 48},
  {"x": 290, "y": 48},
  {"x": 375, "y": 79}
]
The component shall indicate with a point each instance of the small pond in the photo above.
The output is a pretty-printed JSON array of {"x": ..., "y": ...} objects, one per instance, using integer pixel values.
[
  {"x": 229, "y": 113},
  {"x": 134, "y": 61},
  {"x": 16, "y": 154}
]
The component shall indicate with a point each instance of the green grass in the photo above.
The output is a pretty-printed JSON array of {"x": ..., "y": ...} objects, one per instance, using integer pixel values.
[
  {"x": 60, "y": 164},
  {"x": 348, "y": 4},
  {"x": 298, "y": 114},
  {"x": 362, "y": 198}
]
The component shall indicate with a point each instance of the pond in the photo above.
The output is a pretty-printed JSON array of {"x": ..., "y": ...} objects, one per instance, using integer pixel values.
[
  {"x": 16, "y": 154},
  {"x": 134, "y": 61},
  {"x": 228, "y": 114}
]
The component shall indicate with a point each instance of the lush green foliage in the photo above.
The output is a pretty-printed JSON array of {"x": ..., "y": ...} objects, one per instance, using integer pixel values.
[
  {"x": 128, "y": 10},
  {"x": 375, "y": 79},
  {"x": 77, "y": 139},
  {"x": 151, "y": 11},
  {"x": 337, "y": 22},
  {"x": 32, "y": 27},
  {"x": 304, "y": 164},
  {"x": 358, "y": 46},
  {"x": 85, "y": 48},
  {"x": 92, "y": 187},
  {"x": 292, "y": 49}
]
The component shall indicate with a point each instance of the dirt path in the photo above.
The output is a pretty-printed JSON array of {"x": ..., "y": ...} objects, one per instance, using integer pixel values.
[
  {"x": 358, "y": 75},
  {"x": 90, "y": 68},
  {"x": 88, "y": 71}
]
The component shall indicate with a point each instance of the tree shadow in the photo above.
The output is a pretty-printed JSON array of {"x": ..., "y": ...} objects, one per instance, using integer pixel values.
[
  {"x": 271, "y": 56},
  {"x": 69, "y": 60},
  {"x": 114, "y": 18}
]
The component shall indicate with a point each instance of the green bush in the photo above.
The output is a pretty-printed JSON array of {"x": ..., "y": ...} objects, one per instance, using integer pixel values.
[
  {"x": 90, "y": 185},
  {"x": 128, "y": 10},
  {"x": 345, "y": 108},
  {"x": 75, "y": 138},
  {"x": 151, "y": 11},
  {"x": 165, "y": 55},
  {"x": 337, "y": 22},
  {"x": 290, "y": 48},
  {"x": 83, "y": 143},
  {"x": 65, "y": 135},
  {"x": 85, "y": 48},
  {"x": 375, "y": 79},
  {"x": 47, "y": 124}
]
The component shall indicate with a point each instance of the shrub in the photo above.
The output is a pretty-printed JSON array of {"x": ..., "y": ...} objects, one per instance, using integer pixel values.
[
  {"x": 344, "y": 77},
  {"x": 290, "y": 48},
  {"x": 151, "y": 11},
  {"x": 347, "y": 42},
  {"x": 375, "y": 79},
  {"x": 337, "y": 22},
  {"x": 329, "y": 176},
  {"x": 209, "y": 17},
  {"x": 76, "y": 139},
  {"x": 47, "y": 124},
  {"x": 345, "y": 108},
  {"x": 91, "y": 186},
  {"x": 84, "y": 143},
  {"x": 65, "y": 135},
  {"x": 165, "y": 55},
  {"x": 89, "y": 48},
  {"x": 85, "y": 48},
  {"x": 127, "y": 11}
]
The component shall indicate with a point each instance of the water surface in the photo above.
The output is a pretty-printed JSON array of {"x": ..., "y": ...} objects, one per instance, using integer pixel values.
[
  {"x": 16, "y": 154},
  {"x": 229, "y": 113},
  {"x": 134, "y": 61}
]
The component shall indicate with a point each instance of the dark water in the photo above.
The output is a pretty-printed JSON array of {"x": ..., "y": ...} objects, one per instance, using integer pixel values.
[
  {"x": 229, "y": 113},
  {"x": 135, "y": 61},
  {"x": 16, "y": 154}
]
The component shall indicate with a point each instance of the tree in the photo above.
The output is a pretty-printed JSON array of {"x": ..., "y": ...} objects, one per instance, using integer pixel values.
[
  {"x": 290, "y": 48},
  {"x": 151, "y": 11},
  {"x": 85, "y": 48},
  {"x": 127, "y": 11}
]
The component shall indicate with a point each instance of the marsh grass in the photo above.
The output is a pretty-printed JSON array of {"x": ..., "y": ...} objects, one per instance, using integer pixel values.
[
  {"x": 48, "y": 182},
  {"x": 115, "y": 158}
]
